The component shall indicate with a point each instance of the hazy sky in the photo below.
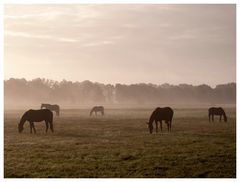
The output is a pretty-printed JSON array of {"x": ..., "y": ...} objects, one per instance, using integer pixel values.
[{"x": 174, "y": 44}]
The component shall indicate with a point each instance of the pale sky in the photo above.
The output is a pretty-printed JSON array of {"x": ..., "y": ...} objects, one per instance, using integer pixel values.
[{"x": 174, "y": 44}]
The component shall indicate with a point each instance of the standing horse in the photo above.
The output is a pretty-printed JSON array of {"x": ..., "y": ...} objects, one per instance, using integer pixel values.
[
  {"x": 159, "y": 115},
  {"x": 97, "y": 109},
  {"x": 36, "y": 116},
  {"x": 216, "y": 111},
  {"x": 55, "y": 108}
]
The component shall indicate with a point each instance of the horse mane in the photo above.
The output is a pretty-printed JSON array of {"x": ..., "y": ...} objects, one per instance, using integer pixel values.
[
  {"x": 92, "y": 111},
  {"x": 152, "y": 117},
  {"x": 224, "y": 115},
  {"x": 23, "y": 118}
]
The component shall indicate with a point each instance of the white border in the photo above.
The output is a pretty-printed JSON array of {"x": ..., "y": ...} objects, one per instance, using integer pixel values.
[
  {"x": 119, "y": 1},
  {"x": 237, "y": 98},
  {"x": 111, "y": 2},
  {"x": 1, "y": 91}
]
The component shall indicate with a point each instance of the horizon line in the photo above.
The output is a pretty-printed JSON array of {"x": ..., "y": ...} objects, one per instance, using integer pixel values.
[{"x": 124, "y": 83}]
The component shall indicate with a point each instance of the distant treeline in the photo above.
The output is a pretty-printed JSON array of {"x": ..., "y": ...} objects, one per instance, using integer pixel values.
[{"x": 21, "y": 91}]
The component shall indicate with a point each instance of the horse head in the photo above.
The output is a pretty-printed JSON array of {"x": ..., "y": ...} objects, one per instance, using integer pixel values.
[
  {"x": 225, "y": 118},
  {"x": 20, "y": 128},
  {"x": 150, "y": 127}
]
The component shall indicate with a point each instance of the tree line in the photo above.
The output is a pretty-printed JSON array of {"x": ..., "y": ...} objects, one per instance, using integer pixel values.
[{"x": 22, "y": 92}]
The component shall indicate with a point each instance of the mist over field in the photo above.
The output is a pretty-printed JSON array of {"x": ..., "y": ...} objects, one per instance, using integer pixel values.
[{"x": 22, "y": 93}]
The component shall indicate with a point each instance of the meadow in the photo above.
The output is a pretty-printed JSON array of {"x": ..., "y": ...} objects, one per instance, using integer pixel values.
[{"x": 118, "y": 145}]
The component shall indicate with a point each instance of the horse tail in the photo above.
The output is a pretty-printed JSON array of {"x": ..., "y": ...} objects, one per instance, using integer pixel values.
[
  {"x": 58, "y": 110},
  {"x": 51, "y": 121},
  {"x": 51, "y": 117},
  {"x": 209, "y": 114},
  {"x": 171, "y": 120}
]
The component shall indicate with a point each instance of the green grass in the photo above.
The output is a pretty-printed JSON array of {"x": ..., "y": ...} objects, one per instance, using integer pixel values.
[{"x": 119, "y": 145}]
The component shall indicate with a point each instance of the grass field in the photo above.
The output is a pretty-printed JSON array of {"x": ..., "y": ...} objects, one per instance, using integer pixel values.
[{"x": 119, "y": 145}]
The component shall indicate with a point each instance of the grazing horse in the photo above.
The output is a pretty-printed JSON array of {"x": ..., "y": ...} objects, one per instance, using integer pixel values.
[
  {"x": 55, "y": 108},
  {"x": 159, "y": 115},
  {"x": 216, "y": 111},
  {"x": 97, "y": 109},
  {"x": 36, "y": 116}
]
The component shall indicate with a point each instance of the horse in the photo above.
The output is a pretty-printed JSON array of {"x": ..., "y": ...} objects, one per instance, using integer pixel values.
[
  {"x": 36, "y": 116},
  {"x": 159, "y": 115},
  {"x": 216, "y": 111},
  {"x": 97, "y": 109},
  {"x": 54, "y": 107}
]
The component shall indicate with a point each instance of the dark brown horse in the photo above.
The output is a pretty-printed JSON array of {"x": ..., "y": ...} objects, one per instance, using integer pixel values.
[
  {"x": 36, "y": 116},
  {"x": 54, "y": 107},
  {"x": 216, "y": 111},
  {"x": 159, "y": 115},
  {"x": 97, "y": 109}
]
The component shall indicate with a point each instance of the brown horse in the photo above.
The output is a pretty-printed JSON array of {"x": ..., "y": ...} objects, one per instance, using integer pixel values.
[
  {"x": 36, "y": 116},
  {"x": 97, "y": 109},
  {"x": 159, "y": 115},
  {"x": 216, "y": 111},
  {"x": 54, "y": 107}
]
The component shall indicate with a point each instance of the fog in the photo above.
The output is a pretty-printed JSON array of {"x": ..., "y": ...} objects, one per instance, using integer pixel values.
[
  {"x": 26, "y": 94},
  {"x": 142, "y": 55}
]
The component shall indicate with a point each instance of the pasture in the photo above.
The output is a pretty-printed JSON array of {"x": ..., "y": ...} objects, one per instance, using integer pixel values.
[{"x": 119, "y": 145}]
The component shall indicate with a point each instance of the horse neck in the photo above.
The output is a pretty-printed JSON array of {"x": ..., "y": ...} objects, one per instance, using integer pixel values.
[
  {"x": 91, "y": 112},
  {"x": 152, "y": 118},
  {"x": 224, "y": 115},
  {"x": 23, "y": 120}
]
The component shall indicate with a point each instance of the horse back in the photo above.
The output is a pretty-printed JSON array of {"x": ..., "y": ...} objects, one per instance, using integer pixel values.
[
  {"x": 98, "y": 108},
  {"x": 50, "y": 106},
  {"x": 39, "y": 115},
  {"x": 165, "y": 113},
  {"x": 216, "y": 110},
  {"x": 56, "y": 106}
]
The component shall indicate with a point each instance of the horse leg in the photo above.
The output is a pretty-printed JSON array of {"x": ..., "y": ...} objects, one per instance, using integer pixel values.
[
  {"x": 51, "y": 126},
  {"x": 170, "y": 124},
  {"x": 212, "y": 118},
  {"x": 57, "y": 112},
  {"x": 30, "y": 127},
  {"x": 46, "y": 126},
  {"x": 161, "y": 125},
  {"x": 156, "y": 122},
  {"x": 220, "y": 119},
  {"x": 33, "y": 128}
]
